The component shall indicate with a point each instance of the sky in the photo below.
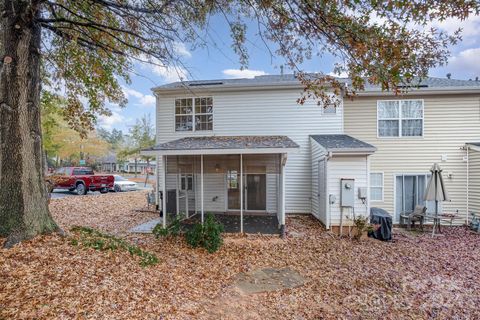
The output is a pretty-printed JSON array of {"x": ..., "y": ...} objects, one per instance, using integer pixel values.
[{"x": 218, "y": 61}]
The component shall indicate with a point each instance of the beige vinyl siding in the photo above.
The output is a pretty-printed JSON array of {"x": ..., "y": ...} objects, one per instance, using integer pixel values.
[
  {"x": 474, "y": 182},
  {"x": 268, "y": 112},
  {"x": 449, "y": 122}
]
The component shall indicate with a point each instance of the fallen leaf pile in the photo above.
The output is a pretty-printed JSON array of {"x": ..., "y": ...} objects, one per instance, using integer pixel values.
[
  {"x": 415, "y": 277},
  {"x": 114, "y": 213}
]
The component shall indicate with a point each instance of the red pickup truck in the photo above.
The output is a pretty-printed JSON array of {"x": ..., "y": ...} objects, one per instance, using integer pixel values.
[{"x": 81, "y": 180}]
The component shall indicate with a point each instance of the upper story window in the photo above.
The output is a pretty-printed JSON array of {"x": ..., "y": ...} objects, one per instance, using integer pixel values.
[
  {"x": 400, "y": 118},
  {"x": 330, "y": 109},
  {"x": 194, "y": 114}
]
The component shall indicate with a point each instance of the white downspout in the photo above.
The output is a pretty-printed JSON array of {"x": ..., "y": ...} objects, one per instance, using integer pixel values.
[
  {"x": 241, "y": 193},
  {"x": 164, "y": 191},
  {"x": 201, "y": 186},
  {"x": 468, "y": 181}
]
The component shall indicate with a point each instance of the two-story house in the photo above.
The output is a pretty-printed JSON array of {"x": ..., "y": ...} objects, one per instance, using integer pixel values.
[{"x": 244, "y": 146}]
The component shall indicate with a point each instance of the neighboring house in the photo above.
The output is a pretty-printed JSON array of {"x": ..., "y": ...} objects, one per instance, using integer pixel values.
[
  {"x": 110, "y": 163},
  {"x": 140, "y": 166},
  {"x": 437, "y": 122},
  {"x": 298, "y": 158}
]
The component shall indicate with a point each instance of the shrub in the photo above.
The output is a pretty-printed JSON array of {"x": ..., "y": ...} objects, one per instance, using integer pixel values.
[
  {"x": 361, "y": 224},
  {"x": 91, "y": 238},
  {"x": 174, "y": 229},
  {"x": 208, "y": 235}
]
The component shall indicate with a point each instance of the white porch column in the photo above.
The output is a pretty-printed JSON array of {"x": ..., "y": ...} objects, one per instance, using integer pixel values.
[
  {"x": 241, "y": 193},
  {"x": 164, "y": 191},
  {"x": 201, "y": 186},
  {"x": 282, "y": 189},
  {"x": 177, "y": 189}
]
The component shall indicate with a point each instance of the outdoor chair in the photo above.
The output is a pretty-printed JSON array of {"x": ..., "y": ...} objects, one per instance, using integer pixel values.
[{"x": 417, "y": 215}]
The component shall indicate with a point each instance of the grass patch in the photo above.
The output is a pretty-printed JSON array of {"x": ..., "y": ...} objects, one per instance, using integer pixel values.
[{"x": 91, "y": 238}]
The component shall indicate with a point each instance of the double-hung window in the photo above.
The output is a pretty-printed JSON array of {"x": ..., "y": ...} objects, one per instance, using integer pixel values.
[
  {"x": 400, "y": 118},
  {"x": 186, "y": 182},
  {"x": 194, "y": 114},
  {"x": 376, "y": 186}
]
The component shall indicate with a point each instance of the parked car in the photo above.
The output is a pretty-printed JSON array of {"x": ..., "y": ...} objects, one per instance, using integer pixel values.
[
  {"x": 123, "y": 184},
  {"x": 81, "y": 180}
]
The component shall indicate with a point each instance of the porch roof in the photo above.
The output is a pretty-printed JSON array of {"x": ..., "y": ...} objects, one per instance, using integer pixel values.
[
  {"x": 342, "y": 143},
  {"x": 224, "y": 145}
]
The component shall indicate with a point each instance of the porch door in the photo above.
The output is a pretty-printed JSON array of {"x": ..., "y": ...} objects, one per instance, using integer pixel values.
[
  {"x": 256, "y": 194},
  {"x": 409, "y": 192}
]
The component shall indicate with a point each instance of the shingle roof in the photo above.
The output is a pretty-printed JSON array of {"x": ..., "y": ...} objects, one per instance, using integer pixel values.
[
  {"x": 342, "y": 142},
  {"x": 228, "y": 142},
  {"x": 477, "y": 144},
  {"x": 290, "y": 79}
]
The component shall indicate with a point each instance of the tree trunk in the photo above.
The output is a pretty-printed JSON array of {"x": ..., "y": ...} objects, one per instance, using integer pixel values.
[{"x": 23, "y": 194}]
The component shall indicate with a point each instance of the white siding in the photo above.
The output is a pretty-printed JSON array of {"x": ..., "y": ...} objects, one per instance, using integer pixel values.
[
  {"x": 272, "y": 191},
  {"x": 348, "y": 167},
  {"x": 269, "y": 112},
  {"x": 450, "y": 121},
  {"x": 319, "y": 197},
  {"x": 474, "y": 182}
]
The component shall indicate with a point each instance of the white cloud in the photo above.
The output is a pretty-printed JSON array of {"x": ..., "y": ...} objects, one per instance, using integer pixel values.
[
  {"x": 343, "y": 74},
  {"x": 465, "y": 63},
  {"x": 470, "y": 27},
  {"x": 144, "y": 100},
  {"x": 245, "y": 73},
  {"x": 148, "y": 100},
  {"x": 128, "y": 92},
  {"x": 108, "y": 122},
  {"x": 181, "y": 49},
  {"x": 171, "y": 74}
]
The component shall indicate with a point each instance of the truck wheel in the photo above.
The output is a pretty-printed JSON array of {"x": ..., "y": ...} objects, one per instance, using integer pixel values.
[
  {"x": 81, "y": 189},
  {"x": 103, "y": 190}
]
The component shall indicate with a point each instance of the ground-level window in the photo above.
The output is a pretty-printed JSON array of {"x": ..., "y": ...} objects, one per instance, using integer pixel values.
[
  {"x": 376, "y": 186},
  {"x": 400, "y": 118},
  {"x": 194, "y": 114},
  {"x": 186, "y": 182}
]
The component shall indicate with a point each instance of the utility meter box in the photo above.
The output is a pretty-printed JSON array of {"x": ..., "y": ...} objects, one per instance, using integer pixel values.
[{"x": 347, "y": 192}]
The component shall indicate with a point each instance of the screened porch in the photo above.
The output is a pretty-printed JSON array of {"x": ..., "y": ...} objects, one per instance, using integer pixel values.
[{"x": 240, "y": 179}]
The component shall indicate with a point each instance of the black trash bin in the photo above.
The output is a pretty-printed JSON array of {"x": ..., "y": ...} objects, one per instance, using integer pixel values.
[{"x": 383, "y": 220}]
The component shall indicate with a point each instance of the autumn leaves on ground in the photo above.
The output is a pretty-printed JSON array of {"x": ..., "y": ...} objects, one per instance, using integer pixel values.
[{"x": 414, "y": 277}]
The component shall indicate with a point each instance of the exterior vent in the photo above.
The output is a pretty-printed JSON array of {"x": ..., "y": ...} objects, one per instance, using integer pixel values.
[
  {"x": 197, "y": 84},
  {"x": 414, "y": 86}
]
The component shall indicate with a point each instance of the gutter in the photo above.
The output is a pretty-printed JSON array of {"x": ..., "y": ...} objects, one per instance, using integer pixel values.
[{"x": 296, "y": 85}]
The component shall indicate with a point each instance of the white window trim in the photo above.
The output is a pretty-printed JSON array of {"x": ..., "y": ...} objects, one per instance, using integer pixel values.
[
  {"x": 185, "y": 176},
  {"x": 382, "y": 186},
  {"x": 193, "y": 114},
  {"x": 400, "y": 136},
  {"x": 395, "y": 175}
]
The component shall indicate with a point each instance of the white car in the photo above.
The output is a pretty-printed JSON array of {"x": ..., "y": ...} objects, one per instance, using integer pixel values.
[{"x": 122, "y": 184}]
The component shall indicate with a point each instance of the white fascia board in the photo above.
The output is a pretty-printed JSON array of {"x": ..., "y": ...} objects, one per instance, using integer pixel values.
[
  {"x": 293, "y": 85},
  {"x": 422, "y": 91},
  {"x": 218, "y": 151}
]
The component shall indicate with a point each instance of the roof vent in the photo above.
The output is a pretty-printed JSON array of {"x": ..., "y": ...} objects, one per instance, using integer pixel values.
[
  {"x": 413, "y": 86},
  {"x": 197, "y": 84}
]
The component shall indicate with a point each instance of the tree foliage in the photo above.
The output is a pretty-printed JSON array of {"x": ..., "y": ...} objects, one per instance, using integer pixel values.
[
  {"x": 141, "y": 136},
  {"x": 90, "y": 44}
]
